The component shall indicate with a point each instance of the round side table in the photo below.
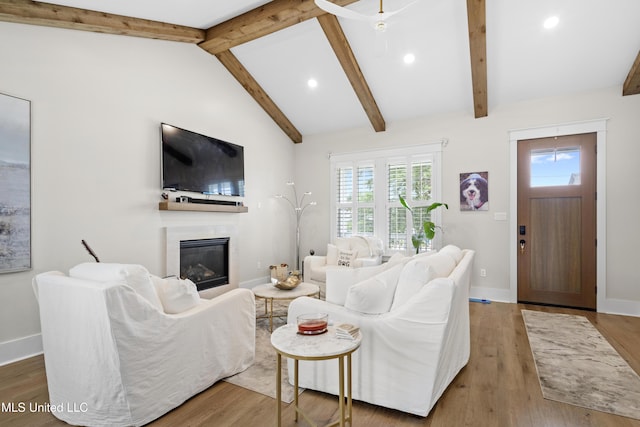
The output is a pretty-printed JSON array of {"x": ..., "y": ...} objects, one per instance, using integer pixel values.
[
  {"x": 288, "y": 343},
  {"x": 268, "y": 293}
]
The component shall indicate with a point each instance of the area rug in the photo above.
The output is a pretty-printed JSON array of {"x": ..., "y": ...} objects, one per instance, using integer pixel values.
[
  {"x": 261, "y": 376},
  {"x": 576, "y": 365}
]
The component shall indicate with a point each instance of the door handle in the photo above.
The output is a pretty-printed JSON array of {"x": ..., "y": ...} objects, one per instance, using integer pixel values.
[{"x": 522, "y": 245}]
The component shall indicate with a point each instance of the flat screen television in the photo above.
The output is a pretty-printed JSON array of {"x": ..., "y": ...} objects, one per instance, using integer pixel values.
[{"x": 201, "y": 164}]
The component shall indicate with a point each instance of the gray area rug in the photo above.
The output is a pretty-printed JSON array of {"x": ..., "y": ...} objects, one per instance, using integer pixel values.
[
  {"x": 261, "y": 376},
  {"x": 576, "y": 365}
]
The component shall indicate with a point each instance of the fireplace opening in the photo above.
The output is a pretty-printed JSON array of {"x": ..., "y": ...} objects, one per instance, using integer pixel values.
[{"x": 205, "y": 262}]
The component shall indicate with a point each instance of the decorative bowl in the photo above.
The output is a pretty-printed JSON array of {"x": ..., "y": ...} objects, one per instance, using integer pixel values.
[
  {"x": 289, "y": 283},
  {"x": 312, "y": 323}
]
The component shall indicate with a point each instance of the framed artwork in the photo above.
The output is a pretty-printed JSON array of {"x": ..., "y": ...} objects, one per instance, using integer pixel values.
[
  {"x": 474, "y": 191},
  {"x": 15, "y": 184}
]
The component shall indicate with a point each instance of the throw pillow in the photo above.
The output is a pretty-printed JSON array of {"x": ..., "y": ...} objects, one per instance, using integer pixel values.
[
  {"x": 332, "y": 254},
  {"x": 374, "y": 295},
  {"x": 441, "y": 264},
  {"x": 454, "y": 251},
  {"x": 346, "y": 258},
  {"x": 413, "y": 277},
  {"x": 133, "y": 275},
  {"x": 178, "y": 295},
  {"x": 397, "y": 257}
]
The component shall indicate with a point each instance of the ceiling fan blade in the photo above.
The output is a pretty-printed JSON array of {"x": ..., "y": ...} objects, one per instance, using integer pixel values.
[{"x": 340, "y": 11}]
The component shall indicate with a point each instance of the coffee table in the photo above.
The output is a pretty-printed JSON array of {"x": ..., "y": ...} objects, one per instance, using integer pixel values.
[
  {"x": 288, "y": 343},
  {"x": 268, "y": 293}
]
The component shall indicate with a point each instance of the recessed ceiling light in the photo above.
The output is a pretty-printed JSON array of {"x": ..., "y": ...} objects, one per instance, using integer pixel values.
[
  {"x": 409, "y": 58},
  {"x": 312, "y": 83},
  {"x": 551, "y": 22}
]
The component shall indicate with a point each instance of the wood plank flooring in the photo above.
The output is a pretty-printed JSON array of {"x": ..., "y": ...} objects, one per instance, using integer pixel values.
[{"x": 499, "y": 386}]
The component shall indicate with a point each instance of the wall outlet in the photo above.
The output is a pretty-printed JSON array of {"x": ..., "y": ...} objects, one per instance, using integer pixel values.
[
  {"x": 259, "y": 266},
  {"x": 483, "y": 272}
]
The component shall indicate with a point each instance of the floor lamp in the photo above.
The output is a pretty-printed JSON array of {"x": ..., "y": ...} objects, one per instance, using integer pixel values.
[{"x": 299, "y": 207}]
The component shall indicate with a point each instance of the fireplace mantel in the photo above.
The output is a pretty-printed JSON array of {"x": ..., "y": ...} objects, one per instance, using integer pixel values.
[{"x": 174, "y": 206}]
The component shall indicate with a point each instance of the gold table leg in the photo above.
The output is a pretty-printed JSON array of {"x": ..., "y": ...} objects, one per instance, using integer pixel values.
[
  {"x": 270, "y": 314},
  {"x": 279, "y": 390},
  {"x": 341, "y": 388},
  {"x": 295, "y": 386},
  {"x": 349, "y": 402}
]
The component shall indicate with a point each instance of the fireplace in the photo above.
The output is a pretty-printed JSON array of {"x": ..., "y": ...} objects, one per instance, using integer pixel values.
[{"x": 205, "y": 262}]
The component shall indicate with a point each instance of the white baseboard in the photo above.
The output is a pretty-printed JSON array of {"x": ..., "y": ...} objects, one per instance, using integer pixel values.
[
  {"x": 249, "y": 284},
  {"x": 617, "y": 306},
  {"x": 22, "y": 348},
  {"x": 610, "y": 305},
  {"x": 491, "y": 294}
]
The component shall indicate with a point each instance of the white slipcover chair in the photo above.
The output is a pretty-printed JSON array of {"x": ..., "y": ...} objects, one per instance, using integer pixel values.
[{"x": 112, "y": 358}]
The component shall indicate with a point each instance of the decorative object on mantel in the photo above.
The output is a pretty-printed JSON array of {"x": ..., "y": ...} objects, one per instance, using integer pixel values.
[
  {"x": 299, "y": 207},
  {"x": 282, "y": 279},
  {"x": 428, "y": 230}
]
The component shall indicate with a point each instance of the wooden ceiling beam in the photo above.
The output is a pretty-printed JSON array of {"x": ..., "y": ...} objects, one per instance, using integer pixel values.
[
  {"x": 50, "y": 15},
  {"x": 261, "y": 21},
  {"x": 476, "y": 17},
  {"x": 347, "y": 59},
  {"x": 632, "y": 83},
  {"x": 255, "y": 90}
]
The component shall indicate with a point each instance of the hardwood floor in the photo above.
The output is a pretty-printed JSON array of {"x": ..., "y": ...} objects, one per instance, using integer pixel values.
[{"x": 499, "y": 386}]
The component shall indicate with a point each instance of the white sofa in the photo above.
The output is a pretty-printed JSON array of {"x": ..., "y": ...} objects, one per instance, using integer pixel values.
[
  {"x": 345, "y": 252},
  {"x": 413, "y": 314},
  {"x": 113, "y": 357}
]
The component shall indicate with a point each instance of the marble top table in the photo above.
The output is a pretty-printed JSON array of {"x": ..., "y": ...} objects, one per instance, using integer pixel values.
[
  {"x": 269, "y": 292},
  {"x": 287, "y": 342}
]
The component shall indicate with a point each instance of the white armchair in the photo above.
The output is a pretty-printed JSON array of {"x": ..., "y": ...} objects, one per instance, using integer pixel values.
[
  {"x": 113, "y": 357},
  {"x": 346, "y": 252}
]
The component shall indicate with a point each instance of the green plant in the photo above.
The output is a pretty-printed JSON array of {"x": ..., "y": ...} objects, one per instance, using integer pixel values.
[{"x": 428, "y": 230}]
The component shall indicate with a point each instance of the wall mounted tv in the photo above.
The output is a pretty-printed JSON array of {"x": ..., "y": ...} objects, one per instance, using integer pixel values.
[{"x": 201, "y": 164}]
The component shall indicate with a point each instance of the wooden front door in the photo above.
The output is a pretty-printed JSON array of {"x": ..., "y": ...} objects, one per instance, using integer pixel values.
[{"x": 557, "y": 221}]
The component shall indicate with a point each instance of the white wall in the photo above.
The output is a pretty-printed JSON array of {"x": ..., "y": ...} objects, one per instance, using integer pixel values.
[
  {"x": 483, "y": 145},
  {"x": 97, "y": 103}
]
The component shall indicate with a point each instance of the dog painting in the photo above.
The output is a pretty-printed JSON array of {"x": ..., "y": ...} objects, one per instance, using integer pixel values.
[{"x": 474, "y": 191}]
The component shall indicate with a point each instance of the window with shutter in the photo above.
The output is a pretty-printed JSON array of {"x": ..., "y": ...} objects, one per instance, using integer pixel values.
[{"x": 366, "y": 187}]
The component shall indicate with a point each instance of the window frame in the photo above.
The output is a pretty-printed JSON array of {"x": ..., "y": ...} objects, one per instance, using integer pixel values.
[{"x": 380, "y": 158}]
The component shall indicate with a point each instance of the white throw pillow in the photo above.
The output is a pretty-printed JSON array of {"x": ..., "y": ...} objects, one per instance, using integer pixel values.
[
  {"x": 395, "y": 258},
  {"x": 346, "y": 258},
  {"x": 178, "y": 295},
  {"x": 374, "y": 295},
  {"x": 441, "y": 264},
  {"x": 454, "y": 251},
  {"x": 332, "y": 254},
  {"x": 415, "y": 274},
  {"x": 134, "y": 275}
]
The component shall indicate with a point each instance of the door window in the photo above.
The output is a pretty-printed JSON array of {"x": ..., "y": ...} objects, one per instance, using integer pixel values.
[{"x": 552, "y": 167}]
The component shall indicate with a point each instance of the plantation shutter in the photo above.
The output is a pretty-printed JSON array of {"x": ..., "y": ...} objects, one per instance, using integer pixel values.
[
  {"x": 411, "y": 179},
  {"x": 355, "y": 200},
  {"x": 344, "y": 201},
  {"x": 365, "y": 187}
]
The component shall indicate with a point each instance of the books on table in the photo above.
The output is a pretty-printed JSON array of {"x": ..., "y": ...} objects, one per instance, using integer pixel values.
[{"x": 347, "y": 331}]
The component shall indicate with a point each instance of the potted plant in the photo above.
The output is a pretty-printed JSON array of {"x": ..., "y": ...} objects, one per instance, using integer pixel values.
[{"x": 428, "y": 230}]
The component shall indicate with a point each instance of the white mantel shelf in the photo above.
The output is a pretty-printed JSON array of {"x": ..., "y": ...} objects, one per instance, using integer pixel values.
[{"x": 201, "y": 207}]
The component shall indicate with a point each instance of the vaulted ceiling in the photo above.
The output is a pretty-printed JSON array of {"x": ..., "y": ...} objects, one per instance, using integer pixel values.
[{"x": 470, "y": 55}]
